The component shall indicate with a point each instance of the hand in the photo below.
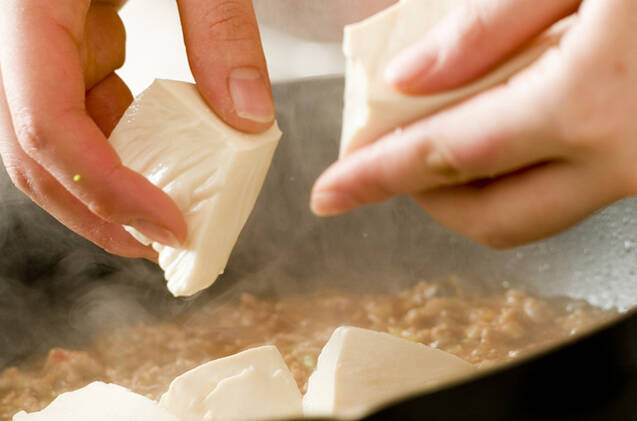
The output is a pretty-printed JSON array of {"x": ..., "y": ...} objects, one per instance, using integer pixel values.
[
  {"x": 60, "y": 98},
  {"x": 525, "y": 159}
]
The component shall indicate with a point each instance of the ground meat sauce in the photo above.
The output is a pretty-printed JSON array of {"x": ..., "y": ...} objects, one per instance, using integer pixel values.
[{"x": 482, "y": 329}]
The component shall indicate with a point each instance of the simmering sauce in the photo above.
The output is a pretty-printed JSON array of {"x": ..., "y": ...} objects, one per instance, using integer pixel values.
[{"x": 484, "y": 329}]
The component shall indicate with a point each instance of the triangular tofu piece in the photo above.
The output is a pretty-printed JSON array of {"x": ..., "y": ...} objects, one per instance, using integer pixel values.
[
  {"x": 252, "y": 385},
  {"x": 373, "y": 108},
  {"x": 213, "y": 173},
  {"x": 99, "y": 402},
  {"x": 360, "y": 369}
]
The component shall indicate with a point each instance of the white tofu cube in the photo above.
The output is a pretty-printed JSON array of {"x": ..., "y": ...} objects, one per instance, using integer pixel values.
[
  {"x": 251, "y": 385},
  {"x": 99, "y": 402},
  {"x": 360, "y": 369},
  {"x": 372, "y": 108},
  {"x": 213, "y": 173}
]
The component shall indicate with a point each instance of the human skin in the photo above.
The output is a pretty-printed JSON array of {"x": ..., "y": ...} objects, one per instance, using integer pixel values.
[
  {"x": 60, "y": 99},
  {"x": 525, "y": 159}
]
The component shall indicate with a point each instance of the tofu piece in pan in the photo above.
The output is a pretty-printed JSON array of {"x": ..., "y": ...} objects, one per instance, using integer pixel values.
[
  {"x": 360, "y": 369},
  {"x": 99, "y": 402},
  {"x": 252, "y": 385}
]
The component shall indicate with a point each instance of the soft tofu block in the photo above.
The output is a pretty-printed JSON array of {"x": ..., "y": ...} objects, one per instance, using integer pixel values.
[
  {"x": 251, "y": 385},
  {"x": 99, "y": 402},
  {"x": 360, "y": 369},
  {"x": 213, "y": 173},
  {"x": 373, "y": 108}
]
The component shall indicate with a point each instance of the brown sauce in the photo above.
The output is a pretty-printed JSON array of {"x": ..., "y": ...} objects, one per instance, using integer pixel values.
[{"x": 482, "y": 329}]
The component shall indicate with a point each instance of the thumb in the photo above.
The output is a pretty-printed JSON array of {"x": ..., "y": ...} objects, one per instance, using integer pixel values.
[
  {"x": 471, "y": 40},
  {"x": 224, "y": 49}
]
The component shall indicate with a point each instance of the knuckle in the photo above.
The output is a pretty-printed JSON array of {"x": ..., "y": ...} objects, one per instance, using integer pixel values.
[
  {"x": 579, "y": 129},
  {"x": 587, "y": 118},
  {"x": 232, "y": 20},
  {"x": 20, "y": 179},
  {"x": 31, "y": 133},
  {"x": 441, "y": 163},
  {"x": 575, "y": 123},
  {"x": 102, "y": 208},
  {"x": 443, "y": 166},
  {"x": 429, "y": 156}
]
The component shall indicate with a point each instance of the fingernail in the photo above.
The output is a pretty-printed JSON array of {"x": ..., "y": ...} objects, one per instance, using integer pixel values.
[
  {"x": 408, "y": 66},
  {"x": 329, "y": 203},
  {"x": 156, "y": 233},
  {"x": 251, "y": 95}
]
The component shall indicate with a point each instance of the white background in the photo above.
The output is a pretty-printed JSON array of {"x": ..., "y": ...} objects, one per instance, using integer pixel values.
[{"x": 155, "y": 48}]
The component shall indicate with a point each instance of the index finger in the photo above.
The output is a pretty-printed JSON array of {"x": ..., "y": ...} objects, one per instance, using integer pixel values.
[
  {"x": 471, "y": 40},
  {"x": 44, "y": 84},
  {"x": 224, "y": 50},
  {"x": 496, "y": 132}
]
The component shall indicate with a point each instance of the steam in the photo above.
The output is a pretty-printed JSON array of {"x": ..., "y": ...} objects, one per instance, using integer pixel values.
[{"x": 57, "y": 289}]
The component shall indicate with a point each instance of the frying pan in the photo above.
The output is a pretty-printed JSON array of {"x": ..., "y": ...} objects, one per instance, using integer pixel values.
[{"x": 47, "y": 273}]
